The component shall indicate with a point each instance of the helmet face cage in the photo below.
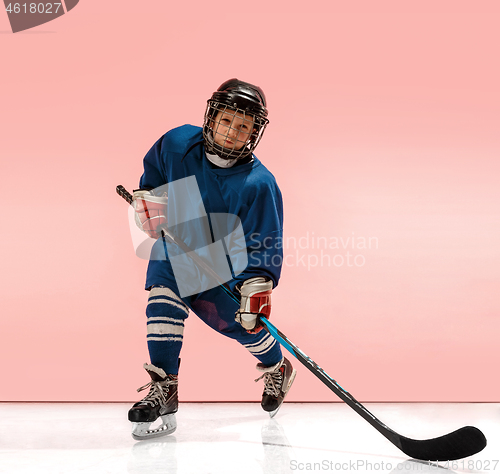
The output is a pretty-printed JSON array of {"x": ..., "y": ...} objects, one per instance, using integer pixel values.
[{"x": 241, "y": 127}]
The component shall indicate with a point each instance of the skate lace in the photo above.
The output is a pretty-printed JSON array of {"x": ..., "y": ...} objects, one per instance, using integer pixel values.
[
  {"x": 158, "y": 391},
  {"x": 272, "y": 383}
]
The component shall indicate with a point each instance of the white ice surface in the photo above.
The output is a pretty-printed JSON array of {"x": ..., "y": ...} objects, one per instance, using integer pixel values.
[{"x": 234, "y": 438}]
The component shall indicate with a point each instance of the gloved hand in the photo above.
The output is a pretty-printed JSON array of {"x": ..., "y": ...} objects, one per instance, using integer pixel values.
[
  {"x": 255, "y": 302},
  {"x": 150, "y": 212}
]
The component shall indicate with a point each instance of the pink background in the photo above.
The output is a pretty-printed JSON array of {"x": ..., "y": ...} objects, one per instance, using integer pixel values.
[{"x": 384, "y": 124}]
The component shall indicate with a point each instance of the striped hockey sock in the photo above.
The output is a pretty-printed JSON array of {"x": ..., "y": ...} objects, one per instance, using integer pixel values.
[
  {"x": 266, "y": 349},
  {"x": 165, "y": 313}
]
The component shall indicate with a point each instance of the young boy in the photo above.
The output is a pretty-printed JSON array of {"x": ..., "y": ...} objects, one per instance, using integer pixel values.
[{"x": 233, "y": 192}]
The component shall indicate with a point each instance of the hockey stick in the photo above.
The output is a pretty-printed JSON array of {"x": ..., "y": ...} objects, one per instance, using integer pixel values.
[{"x": 458, "y": 444}]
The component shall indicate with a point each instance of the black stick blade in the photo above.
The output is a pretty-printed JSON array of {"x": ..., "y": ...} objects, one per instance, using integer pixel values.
[{"x": 459, "y": 444}]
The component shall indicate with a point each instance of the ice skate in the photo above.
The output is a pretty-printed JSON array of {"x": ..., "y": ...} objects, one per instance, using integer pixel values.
[
  {"x": 277, "y": 382},
  {"x": 160, "y": 402}
]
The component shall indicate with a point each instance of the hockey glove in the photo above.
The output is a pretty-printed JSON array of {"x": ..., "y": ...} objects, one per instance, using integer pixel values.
[
  {"x": 255, "y": 301},
  {"x": 150, "y": 212}
]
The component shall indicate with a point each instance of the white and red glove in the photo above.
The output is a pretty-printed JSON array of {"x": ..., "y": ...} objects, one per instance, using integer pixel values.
[
  {"x": 255, "y": 302},
  {"x": 150, "y": 212}
]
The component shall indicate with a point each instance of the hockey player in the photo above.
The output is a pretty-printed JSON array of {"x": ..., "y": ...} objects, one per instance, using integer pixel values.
[{"x": 233, "y": 182}]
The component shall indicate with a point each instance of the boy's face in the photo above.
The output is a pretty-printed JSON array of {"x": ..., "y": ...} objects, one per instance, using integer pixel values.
[{"x": 232, "y": 129}]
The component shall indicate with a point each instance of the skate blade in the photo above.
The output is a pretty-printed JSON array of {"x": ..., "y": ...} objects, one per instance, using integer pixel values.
[
  {"x": 292, "y": 378},
  {"x": 141, "y": 431}
]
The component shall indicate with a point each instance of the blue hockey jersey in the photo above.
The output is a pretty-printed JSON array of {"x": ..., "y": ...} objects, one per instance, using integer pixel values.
[{"x": 248, "y": 191}]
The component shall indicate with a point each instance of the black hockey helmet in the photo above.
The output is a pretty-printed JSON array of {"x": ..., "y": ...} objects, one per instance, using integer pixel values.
[{"x": 236, "y": 98}]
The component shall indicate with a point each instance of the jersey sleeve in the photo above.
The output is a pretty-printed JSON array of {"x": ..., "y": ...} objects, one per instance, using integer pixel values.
[
  {"x": 154, "y": 167},
  {"x": 263, "y": 226}
]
